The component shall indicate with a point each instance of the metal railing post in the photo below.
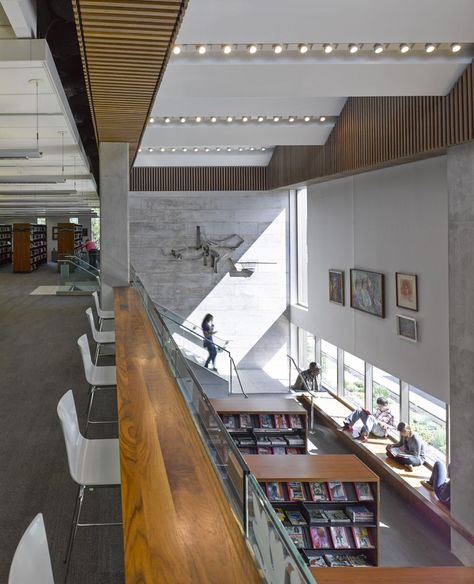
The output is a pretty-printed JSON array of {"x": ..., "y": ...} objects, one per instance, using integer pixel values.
[{"x": 230, "y": 376}]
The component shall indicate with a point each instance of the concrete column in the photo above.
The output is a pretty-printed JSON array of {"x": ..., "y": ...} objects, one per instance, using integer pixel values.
[
  {"x": 114, "y": 224},
  {"x": 461, "y": 341}
]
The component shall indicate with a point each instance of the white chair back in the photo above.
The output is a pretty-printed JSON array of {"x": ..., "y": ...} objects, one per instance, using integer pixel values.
[
  {"x": 74, "y": 440},
  {"x": 90, "y": 318},
  {"x": 83, "y": 343},
  {"x": 97, "y": 305},
  {"x": 31, "y": 563}
]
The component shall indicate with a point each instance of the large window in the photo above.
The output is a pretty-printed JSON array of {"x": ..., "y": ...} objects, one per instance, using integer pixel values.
[
  {"x": 307, "y": 348},
  {"x": 387, "y": 386},
  {"x": 95, "y": 227},
  {"x": 354, "y": 379},
  {"x": 329, "y": 365},
  {"x": 40, "y": 220},
  {"x": 428, "y": 419},
  {"x": 302, "y": 246}
]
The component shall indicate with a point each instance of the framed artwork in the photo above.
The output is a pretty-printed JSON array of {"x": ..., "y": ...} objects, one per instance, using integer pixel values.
[
  {"x": 336, "y": 286},
  {"x": 407, "y": 291},
  {"x": 367, "y": 292},
  {"x": 55, "y": 232},
  {"x": 407, "y": 328}
]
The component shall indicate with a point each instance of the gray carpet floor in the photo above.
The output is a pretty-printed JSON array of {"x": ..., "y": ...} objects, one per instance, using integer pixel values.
[{"x": 39, "y": 361}]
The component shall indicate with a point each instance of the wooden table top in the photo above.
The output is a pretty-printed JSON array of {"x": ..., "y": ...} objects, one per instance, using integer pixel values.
[
  {"x": 258, "y": 405},
  {"x": 431, "y": 575},
  {"x": 309, "y": 467},
  {"x": 177, "y": 524}
]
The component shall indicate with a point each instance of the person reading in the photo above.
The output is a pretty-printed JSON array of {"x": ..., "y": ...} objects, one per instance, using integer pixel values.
[
  {"x": 379, "y": 423},
  {"x": 409, "y": 451},
  {"x": 440, "y": 483},
  {"x": 310, "y": 376}
]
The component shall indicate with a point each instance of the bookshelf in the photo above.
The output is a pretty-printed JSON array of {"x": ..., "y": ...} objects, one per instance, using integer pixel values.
[
  {"x": 29, "y": 246},
  {"x": 264, "y": 425},
  {"x": 329, "y": 505},
  {"x": 69, "y": 239},
  {"x": 5, "y": 244}
]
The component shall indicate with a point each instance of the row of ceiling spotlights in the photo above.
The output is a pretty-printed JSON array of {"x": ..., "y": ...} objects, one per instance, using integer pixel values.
[
  {"x": 206, "y": 149},
  {"x": 245, "y": 119},
  {"x": 327, "y": 48}
]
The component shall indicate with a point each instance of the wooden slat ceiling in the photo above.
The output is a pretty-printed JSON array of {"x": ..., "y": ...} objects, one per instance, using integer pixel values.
[{"x": 124, "y": 47}]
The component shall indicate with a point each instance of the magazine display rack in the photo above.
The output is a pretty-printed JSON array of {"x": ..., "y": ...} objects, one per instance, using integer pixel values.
[
  {"x": 264, "y": 426},
  {"x": 329, "y": 505},
  {"x": 29, "y": 246},
  {"x": 5, "y": 244}
]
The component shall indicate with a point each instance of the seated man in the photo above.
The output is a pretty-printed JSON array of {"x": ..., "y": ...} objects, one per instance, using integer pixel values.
[
  {"x": 379, "y": 423},
  {"x": 310, "y": 375},
  {"x": 410, "y": 450},
  {"x": 440, "y": 484}
]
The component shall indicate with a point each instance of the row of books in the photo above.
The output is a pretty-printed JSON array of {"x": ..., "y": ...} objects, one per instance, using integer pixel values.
[
  {"x": 275, "y": 450},
  {"x": 270, "y": 441},
  {"x": 313, "y": 514},
  {"x": 263, "y": 421},
  {"x": 319, "y": 491},
  {"x": 337, "y": 560},
  {"x": 334, "y": 537}
]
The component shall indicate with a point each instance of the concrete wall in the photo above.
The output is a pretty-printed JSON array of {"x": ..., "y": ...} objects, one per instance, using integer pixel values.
[
  {"x": 385, "y": 221},
  {"x": 245, "y": 309}
]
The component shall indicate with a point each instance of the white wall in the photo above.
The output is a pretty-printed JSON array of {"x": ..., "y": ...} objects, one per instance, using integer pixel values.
[{"x": 385, "y": 221}]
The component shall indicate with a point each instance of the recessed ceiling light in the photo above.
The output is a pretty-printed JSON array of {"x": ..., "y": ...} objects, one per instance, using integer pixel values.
[
  {"x": 303, "y": 48},
  {"x": 322, "y": 118},
  {"x": 230, "y": 119},
  {"x": 202, "y": 49},
  {"x": 240, "y": 149},
  {"x": 218, "y": 149},
  {"x": 252, "y": 49},
  {"x": 307, "y": 118},
  {"x": 226, "y": 49},
  {"x": 182, "y": 120},
  {"x": 245, "y": 119},
  {"x": 229, "y": 149},
  {"x": 404, "y": 48},
  {"x": 276, "y": 119},
  {"x": 378, "y": 48},
  {"x": 252, "y": 148},
  {"x": 176, "y": 50},
  {"x": 173, "y": 149},
  {"x": 260, "y": 118},
  {"x": 198, "y": 119},
  {"x": 150, "y": 149},
  {"x": 429, "y": 47},
  {"x": 185, "y": 149},
  {"x": 213, "y": 119},
  {"x": 291, "y": 119},
  {"x": 139, "y": 150},
  {"x": 328, "y": 48},
  {"x": 152, "y": 120},
  {"x": 161, "y": 149},
  {"x": 263, "y": 149},
  {"x": 167, "y": 120},
  {"x": 353, "y": 48},
  {"x": 277, "y": 49},
  {"x": 455, "y": 47},
  {"x": 206, "y": 149},
  {"x": 196, "y": 149}
]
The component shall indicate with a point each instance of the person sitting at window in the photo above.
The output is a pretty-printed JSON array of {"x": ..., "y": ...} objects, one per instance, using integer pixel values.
[
  {"x": 309, "y": 375},
  {"x": 378, "y": 423},
  {"x": 440, "y": 484},
  {"x": 410, "y": 450}
]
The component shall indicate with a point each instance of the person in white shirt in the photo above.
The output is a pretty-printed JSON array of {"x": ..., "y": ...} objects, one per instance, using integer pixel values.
[{"x": 378, "y": 423}]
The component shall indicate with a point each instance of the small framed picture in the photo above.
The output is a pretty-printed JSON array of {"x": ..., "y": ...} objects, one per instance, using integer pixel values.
[
  {"x": 336, "y": 286},
  {"x": 407, "y": 328},
  {"x": 407, "y": 291},
  {"x": 55, "y": 232}
]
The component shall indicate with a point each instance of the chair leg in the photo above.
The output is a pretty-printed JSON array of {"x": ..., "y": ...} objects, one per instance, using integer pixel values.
[
  {"x": 91, "y": 399},
  {"x": 101, "y": 323},
  {"x": 89, "y": 403},
  {"x": 97, "y": 353},
  {"x": 72, "y": 534}
]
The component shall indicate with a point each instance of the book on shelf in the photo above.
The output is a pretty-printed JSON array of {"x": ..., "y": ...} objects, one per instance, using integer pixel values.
[
  {"x": 337, "y": 560},
  {"x": 263, "y": 441},
  {"x": 245, "y": 450},
  {"x": 296, "y": 421},
  {"x": 245, "y": 420},
  {"x": 340, "y": 537},
  {"x": 336, "y": 516},
  {"x": 280, "y": 514},
  {"x": 229, "y": 422},
  {"x": 316, "y": 515},
  {"x": 363, "y": 492},
  {"x": 319, "y": 491},
  {"x": 246, "y": 441},
  {"x": 337, "y": 492},
  {"x": 278, "y": 441},
  {"x": 296, "y": 534},
  {"x": 275, "y": 491},
  {"x": 264, "y": 450},
  {"x": 295, "y": 518},
  {"x": 280, "y": 421},
  {"x": 296, "y": 491},
  {"x": 295, "y": 440},
  {"x": 279, "y": 450},
  {"x": 320, "y": 537},
  {"x": 358, "y": 513},
  {"x": 362, "y": 537},
  {"x": 293, "y": 451},
  {"x": 359, "y": 561},
  {"x": 266, "y": 421},
  {"x": 317, "y": 562}
]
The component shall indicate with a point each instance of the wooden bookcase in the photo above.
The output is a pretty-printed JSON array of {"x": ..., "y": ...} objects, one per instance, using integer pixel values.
[
  {"x": 338, "y": 469},
  {"x": 29, "y": 246},
  {"x": 264, "y": 425},
  {"x": 5, "y": 244},
  {"x": 69, "y": 239}
]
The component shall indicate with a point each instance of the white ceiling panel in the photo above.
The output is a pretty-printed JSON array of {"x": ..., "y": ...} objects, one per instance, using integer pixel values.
[{"x": 204, "y": 158}]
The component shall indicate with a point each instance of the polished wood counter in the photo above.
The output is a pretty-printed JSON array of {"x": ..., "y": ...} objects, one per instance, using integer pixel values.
[
  {"x": 258, "y": 405},
  {"x": 177, "y": 524},
  {"x": 431, "y": 575}
]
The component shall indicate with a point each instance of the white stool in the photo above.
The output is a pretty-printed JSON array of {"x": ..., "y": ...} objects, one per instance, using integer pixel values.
[
  {"x": 99, "y": 377},
  {"x": 100, "y": 337},
  {"x": 102, "y": 314},
  {"x": 92, "y": 464},
  {"x": 31, "y": 562}
]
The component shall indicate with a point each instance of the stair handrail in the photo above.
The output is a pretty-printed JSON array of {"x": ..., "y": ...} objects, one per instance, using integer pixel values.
[
  {"x": 305, "y": 383},
  {"x": 75, "y": 258},
  {"x": 64, "y": 260},
  {"x": 202, "y": 337}
]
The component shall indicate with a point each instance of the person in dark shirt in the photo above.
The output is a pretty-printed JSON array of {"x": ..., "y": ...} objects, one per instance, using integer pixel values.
[
  {"x": 208, "y": 330},
  {"x": 440, "y": 483},
  {"x": 410, "y": 450},
  {"x": 309, "y": 375}
]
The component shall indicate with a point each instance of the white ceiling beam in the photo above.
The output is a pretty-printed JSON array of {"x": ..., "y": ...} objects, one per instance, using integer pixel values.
[{"x": 22, "y": 16}]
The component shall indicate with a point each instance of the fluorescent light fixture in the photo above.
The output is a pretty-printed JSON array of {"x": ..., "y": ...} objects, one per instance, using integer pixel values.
[
  {"x": 32, "y": 180},
  {"x": 37, "y": 193},
  {"x": 20, "y": 153}
]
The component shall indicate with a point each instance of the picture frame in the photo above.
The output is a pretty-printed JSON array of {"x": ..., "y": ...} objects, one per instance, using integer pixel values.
[
  {"x": 55, "y": 233},
  {"x": 336, "y": 287},
  {"x": 407, "y": 328},
  {"x": 368, "y": 292},
  {"x": 406, "y": 286}
]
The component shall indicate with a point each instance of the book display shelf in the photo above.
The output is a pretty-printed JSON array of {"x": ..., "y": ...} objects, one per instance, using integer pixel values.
[
  {"x": 5, "y": 244},
  {"x": 29, "y": 246},
  {"x": 69, "y": 239},
  {"x": 264, "y": 426},
  {"x": 329, "y": 505}
]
